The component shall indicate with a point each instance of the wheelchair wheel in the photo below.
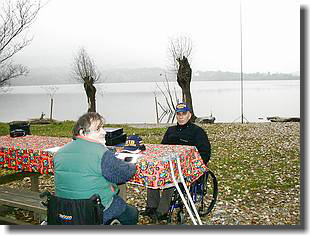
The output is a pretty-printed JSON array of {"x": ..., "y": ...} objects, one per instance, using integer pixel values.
[{"x": 207, "y": 199}]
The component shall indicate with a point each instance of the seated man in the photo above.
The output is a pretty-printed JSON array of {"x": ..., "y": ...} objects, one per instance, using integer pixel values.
[
  {"x": 85, "y": 167},
  {"x": 184, "y": 133}
]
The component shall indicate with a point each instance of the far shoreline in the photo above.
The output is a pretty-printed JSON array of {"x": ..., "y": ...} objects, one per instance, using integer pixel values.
[
  {"x": 137, "y": 82},
  {"x": 155, "y": 125}
]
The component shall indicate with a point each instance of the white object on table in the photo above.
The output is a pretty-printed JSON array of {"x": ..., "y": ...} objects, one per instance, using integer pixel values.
[{"x": 53, "y": 150}]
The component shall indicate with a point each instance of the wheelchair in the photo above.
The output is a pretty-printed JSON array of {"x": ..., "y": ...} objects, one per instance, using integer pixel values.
[
  {"x": 204, "y": 194},
  {"x": 62, "y": 211}
]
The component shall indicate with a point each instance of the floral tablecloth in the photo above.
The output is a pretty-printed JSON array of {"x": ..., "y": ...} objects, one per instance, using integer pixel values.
[
  {"x": 153, "y": 170},
  {"x": 28, "y": 153}
]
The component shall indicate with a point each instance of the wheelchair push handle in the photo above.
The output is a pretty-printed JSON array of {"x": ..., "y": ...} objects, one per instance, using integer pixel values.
[{"x": 95, "y": 198}]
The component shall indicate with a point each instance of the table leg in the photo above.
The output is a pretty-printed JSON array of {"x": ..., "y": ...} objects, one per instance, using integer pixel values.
[{"x": 35, "y": 183}]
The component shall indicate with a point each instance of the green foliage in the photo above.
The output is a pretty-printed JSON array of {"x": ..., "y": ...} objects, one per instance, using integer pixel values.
[{"x": 4, "y": 129}]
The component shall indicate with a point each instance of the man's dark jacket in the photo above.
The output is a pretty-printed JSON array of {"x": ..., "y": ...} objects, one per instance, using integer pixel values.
[{"x": 189, "y": 134}]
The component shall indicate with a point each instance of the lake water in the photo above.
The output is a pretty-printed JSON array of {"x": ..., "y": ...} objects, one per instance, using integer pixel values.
[{"x": 134, "y": 102}]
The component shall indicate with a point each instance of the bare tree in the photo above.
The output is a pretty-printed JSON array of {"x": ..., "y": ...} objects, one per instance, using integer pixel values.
[
  {"x": 51, "y": 91},
  {"x": 16, "y": 17},
  {"x": 85, "y": 71},
  {"x": 180, "y": 50},
  {"x": 170, "y": 98}
]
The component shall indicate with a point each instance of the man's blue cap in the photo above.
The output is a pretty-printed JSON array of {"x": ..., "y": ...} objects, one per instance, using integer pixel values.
[
  {"x": 182, "y": 107},
  {"x": 134, "y": 142}
]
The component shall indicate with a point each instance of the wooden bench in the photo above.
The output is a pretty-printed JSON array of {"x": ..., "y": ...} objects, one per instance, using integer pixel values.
[
  {"x": 20, "y": 175},
  {"x": 17, "y": 198}
]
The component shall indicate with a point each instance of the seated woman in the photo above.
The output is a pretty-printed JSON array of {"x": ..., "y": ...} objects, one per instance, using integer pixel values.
[{"x": 85, "y": 167}]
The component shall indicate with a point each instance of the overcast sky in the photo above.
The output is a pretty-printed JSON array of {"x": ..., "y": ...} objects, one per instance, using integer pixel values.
[{"x": 136, "y": 33}]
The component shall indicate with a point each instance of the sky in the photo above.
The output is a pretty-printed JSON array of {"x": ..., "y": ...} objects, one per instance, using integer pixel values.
[{"x": 136, "y": 34}]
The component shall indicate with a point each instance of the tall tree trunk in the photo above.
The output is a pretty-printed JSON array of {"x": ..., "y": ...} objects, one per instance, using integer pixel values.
[
  {"x": 184, "y": 77},
  {"x": 92, "y": 107},
  {"x": 188, "y": 101},
  {"x": 90, "y": 90}
]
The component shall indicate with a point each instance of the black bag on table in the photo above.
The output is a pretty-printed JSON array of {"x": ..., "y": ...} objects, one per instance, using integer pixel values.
[
  {"x": 113, "y": 132},
  {"x": 115, "y": 136},
  {"x": 116, "y": 140}
]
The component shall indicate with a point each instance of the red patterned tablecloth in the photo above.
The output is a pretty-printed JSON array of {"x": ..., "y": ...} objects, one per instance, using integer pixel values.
[
  {"x": 153, "y": 170},
  {"x": 27, "y": 153}
]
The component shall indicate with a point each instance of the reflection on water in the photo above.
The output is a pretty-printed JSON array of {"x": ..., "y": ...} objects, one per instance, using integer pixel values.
[{"x": 134, "y": 102}]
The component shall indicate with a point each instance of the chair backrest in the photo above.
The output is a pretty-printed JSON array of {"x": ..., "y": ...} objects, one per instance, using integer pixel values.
[{"x": 62, "y": 211}]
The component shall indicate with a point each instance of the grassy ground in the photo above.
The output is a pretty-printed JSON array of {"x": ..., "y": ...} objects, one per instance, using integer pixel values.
[{"x": 257, "y": 166}]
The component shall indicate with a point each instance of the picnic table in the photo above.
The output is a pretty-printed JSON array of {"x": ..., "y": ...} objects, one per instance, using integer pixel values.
[
  {"x": 29, "y": 154},
  {"x": 158, "y": 167}
]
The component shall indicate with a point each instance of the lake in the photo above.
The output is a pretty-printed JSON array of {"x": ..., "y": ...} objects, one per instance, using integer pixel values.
[{"x": 135, "y": 103}]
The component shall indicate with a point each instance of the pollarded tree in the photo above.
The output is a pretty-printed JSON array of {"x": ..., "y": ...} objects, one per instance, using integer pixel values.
[
  {"x": 85, "y": 71},
  {"x": 16, "y": 17},
  {"x": 180, "y": 52}
]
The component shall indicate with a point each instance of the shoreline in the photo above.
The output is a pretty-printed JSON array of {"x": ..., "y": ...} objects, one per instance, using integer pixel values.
[
  {"x": 151, "y": 125},
  {"x": 139, "y": 82}
]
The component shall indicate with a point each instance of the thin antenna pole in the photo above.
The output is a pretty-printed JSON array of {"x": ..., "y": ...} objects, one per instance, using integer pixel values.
[
  {"x": 157, "y": 117},
  {"x": 241, "y": 63}
]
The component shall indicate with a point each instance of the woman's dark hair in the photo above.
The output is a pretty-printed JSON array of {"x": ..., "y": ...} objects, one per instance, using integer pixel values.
[{"x": 85, "y": 121}]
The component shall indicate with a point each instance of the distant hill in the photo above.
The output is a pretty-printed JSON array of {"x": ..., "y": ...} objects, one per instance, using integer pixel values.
[
  {"x": 59, "y": 75},
  {"x": 231, "y": 76}
]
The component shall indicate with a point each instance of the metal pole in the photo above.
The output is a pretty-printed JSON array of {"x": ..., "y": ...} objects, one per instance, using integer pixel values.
[
  {"x": 156, "y": 110},
  {"x": 51, "y": 106},
  {"x": 241, "y": 64},
  {"x": 242, "y": 117}
]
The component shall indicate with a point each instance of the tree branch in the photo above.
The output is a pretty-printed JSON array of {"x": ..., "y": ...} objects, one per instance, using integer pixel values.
[{"x": 15, "y": 18}]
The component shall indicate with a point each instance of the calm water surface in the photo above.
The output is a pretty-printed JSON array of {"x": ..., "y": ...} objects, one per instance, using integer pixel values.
[{"x": 134, "y": 102}]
